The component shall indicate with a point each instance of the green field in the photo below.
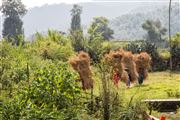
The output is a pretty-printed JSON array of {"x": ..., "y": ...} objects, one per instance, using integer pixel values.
[{"x": 158, "y": 85}]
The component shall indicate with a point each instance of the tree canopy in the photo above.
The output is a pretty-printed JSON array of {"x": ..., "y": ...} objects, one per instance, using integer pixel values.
[
  {"x": 13, "y": 7},
  {"x": 13, "y": 10},
  {"x": 76, "y": 18},
  {"x": 154, "y": 30},
  {"x": 100, "y": 26}
]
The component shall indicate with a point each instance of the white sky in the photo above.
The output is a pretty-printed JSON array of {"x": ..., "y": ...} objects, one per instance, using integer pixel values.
[{"x": 33, "y": 3}]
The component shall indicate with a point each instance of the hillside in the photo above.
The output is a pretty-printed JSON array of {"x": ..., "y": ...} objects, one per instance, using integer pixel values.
[
  {"x": 57, "y": 16},
  {"x": 129, "y": 26},
  {"x": 125, "y": 18}
]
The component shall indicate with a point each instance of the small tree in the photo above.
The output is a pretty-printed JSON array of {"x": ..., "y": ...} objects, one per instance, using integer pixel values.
[
  {"x": 154, "y": 30},
  {"x": 13, "y": 10},
  {"x": 100, "y": 26}
]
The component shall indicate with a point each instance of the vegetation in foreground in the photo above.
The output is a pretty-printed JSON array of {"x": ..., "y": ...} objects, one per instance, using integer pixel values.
[{"x": 37, "y": 82}]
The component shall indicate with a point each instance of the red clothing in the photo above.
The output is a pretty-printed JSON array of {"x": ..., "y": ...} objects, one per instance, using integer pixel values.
[{"x": 116, "y": 78}]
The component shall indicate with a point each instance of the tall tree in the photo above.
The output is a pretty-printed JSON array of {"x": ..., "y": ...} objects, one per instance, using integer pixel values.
[
  {"x": 100, "y": 26},
  {"x": 76, "y": 31},
  {"x": 76, "y": 17},
  {"x": 154, "y": 30},
  {"x": 13, "y": 10}
]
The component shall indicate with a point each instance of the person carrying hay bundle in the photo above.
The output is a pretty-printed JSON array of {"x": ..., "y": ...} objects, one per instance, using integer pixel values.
[
  {"x": 81, "y": 64},
  {"x": 142, "y": 61},
  {"x": 114, "y": 59},
  {"x": 130, "y": 66}
]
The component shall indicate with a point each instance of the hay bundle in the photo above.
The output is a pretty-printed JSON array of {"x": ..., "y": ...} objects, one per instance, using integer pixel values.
[
  {"x": 142, "y": 61},
  {"x": 81, "y": 64},
  {"x": 129, "y": 64},
  {"x": 114, "y": 59}
]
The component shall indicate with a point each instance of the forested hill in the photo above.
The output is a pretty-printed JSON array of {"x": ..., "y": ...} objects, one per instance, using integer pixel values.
[
  {"x": 58, "y": 16},
  {"x": 128, "y": 26}
]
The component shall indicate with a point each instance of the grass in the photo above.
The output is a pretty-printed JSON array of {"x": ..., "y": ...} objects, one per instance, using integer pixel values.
[
  {"x": 118, "y": 44},
  {"x": 159, "y": 85}
]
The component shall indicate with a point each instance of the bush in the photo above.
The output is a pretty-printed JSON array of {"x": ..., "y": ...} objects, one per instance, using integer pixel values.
[
  {"x": 135, "y": 110},
  {"x": 54, "y": 46},
  {"x": 78, "y": 40},
  {"x": 164, "y": 54},
  {"x": 175, "y": 51},
  {"x": 53, "y": 93},
  {"x": 96, "y": 48},
  {"x": 12, "y": 66}
]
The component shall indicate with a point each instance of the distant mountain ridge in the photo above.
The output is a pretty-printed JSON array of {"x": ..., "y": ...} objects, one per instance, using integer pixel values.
[
  {"x": 129, "y": 26},
  {"x": 57, "y": 16},
  {"x": 125, "y": 18}
]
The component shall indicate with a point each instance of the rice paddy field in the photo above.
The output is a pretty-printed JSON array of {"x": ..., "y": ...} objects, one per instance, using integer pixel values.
[{"x": 159, "y": 85}]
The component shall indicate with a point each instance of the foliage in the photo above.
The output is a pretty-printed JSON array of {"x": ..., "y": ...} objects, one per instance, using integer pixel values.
[
  {"x": 97, "y": 48},
  {"x": 41, "y": 85},
  {"x": 175, "y": 50},
  {"x": 78, "y": 40},
  {"x": 76, "y": 19},
  {"x": 129, "y": 26},
  {"x": 164, "y": 54},
  {"x": 54, "y": 46},
  {"x": 115, "y": 106},
  {"x": 13, "y": 7},
  {"x": 53, "y": 93},
  {"x": 134, "y": 110},
  {"x": 154, "y": 30},
  {"x": 173, "y": 93},
  {"x": 45, "y": 49},
  {"x": 158, "y": 62},
  {"x": 13, "y": 11},
  {"x": 99, "y": 26},
  {"x": 12, "y": 29},
  {"x": 76, "y": 33},
  {"x": 12, "y": 66}
]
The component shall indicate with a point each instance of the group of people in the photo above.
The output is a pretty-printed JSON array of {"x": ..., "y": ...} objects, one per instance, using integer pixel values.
[{"x": 127, "y": 67}]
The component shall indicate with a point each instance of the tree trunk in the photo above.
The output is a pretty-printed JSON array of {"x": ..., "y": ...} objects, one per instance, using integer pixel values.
[{"x": 170, "y": 33}]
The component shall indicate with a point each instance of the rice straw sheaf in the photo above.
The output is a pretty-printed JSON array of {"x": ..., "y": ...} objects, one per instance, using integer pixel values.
[{"x": 81, "y": 64}]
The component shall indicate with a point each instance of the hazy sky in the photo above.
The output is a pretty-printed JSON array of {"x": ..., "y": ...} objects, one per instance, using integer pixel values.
[{"x": 33, "y": 3}]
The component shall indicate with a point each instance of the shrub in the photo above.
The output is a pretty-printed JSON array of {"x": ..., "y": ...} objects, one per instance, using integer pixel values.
[
  {"x": 52, "y": 94},
  {"x": 53, "y": 46},
  {"x": 78, "y": 40},
  {"x": 13, "y": 65},
  {"x": 175, "y": 51}
]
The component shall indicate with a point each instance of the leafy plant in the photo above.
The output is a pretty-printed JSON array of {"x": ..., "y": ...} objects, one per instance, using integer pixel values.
[
  {"x": 175, "y": 50},
  {"x": 53, "y": 93}
]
